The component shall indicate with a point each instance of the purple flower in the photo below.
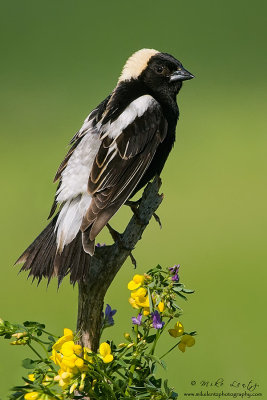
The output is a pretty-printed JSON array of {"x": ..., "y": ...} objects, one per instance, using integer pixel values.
[
  {"x": 108, "y": 318},
  {"x": 174, "y": 271},
  {"x": 100, "y": 245},
  {"x": 156, "y": 321},
  {"x": 137, "y": 320}
]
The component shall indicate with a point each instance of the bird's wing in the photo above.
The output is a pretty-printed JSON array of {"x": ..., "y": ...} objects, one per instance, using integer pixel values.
[
  {"x": 89, "y": 126},
  {"x": 128, "y": 146}
]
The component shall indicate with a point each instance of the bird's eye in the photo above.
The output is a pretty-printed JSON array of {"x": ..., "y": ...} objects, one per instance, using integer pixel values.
[{"x": 159, "y": 69}]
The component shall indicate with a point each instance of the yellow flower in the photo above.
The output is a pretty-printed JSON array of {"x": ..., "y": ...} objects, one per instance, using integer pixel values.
[
  {"x": 161, "y": 306},
  {"x": 63, "y": 378},
  {"x": 69, "y": 361},
  {"x": 31, "y": 396},
  {"x": 136, "y": 282},
  {"x": 133, "y": 303},
  {"x": 141, "y": 292},
  {"x": 86, "y": 356},
  {"x": 146, "y": 311},
  {"x": 79, "y": 363},
  {"x": 178, "y": 330},
  {"x": 142, "y": 301},
  {"x": 186, "y": 341},
  {"x": 105, "y": 352},
  {"x": 68, "y": 336},
  {"x": 69, "y": 348},
  {"x": 139, "y": 299},
  {"x": 56, "y": 357},
  {"x": 31, "y": 377}
]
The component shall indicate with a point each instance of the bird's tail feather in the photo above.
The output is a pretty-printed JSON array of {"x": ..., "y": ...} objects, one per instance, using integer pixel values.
[{"x": 42, "y": 260}]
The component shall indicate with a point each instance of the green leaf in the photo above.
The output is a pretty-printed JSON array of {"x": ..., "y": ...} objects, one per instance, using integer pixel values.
[
  {"x": 29, "y": 364},
  {"x": 155, "y": 382},
  {"x": 188, "y": 290},
  {"x": 177, "y": 289},
  {"x": 157, "y": 360},
  {"x": 17, "y": 395},
  {"x": 150, "y": 301},
  {"x": 150, "y": 338},
  {"x": 176, "y": 306},
  {"x": 122, "y": 363},
  {"x": 181, "y": 295},
  {"x": 8, "y": 336}
]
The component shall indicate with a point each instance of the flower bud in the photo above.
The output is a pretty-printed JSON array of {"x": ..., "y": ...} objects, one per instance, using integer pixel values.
[
  {"x": 130, "y": 345},
  {"x": 65, "y": 375},
  {"x": 31, "y": 395},
  {"x": 127, "y": 336},
  {"x": 73, "y": 387},
  {"x": 121, "y": 345},
  {"x": 19, "y": 342},
  {"x": 19, "y": 335},
  {"x": 148, "y": 277}
]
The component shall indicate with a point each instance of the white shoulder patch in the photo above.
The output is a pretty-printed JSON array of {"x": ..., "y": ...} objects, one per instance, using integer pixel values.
[
  {"x": 135, "y": 109},
  {"x": 136, "y": 64}
]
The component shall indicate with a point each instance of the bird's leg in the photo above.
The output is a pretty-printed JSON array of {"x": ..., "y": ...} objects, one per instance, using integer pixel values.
[
  {"x": 116, "y": 236},
  {"x": 134, "y": 205}
]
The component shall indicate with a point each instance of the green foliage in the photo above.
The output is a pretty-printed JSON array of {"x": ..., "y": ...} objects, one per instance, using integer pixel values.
[{"x": 62, "y": 369}]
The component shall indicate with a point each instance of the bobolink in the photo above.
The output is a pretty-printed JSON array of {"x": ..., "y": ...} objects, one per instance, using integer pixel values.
[{"x": 123, "y": 143}]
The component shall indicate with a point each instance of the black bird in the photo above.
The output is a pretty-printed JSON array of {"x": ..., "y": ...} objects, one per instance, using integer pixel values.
[{"x": 123, "y": 143}]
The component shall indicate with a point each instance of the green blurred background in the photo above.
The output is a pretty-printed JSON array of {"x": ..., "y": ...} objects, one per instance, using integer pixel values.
[{"x": 59, "y": 59}]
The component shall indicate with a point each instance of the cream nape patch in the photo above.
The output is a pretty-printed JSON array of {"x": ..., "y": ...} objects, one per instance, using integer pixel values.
[{"x": 136, "y": 64}]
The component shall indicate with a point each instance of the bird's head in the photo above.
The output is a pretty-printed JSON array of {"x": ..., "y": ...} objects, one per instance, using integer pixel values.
[{"x": 159, "y": 72}]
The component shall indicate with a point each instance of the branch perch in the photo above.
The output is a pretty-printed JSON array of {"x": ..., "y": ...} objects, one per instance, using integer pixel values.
[{"x": 106, "y": 263}]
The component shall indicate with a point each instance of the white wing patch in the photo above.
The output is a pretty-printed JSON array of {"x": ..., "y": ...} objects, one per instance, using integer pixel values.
[{"x": 135, "y": 109}]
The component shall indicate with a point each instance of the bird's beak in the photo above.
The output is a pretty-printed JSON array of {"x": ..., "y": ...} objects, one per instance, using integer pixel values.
[{"x": 181, "y": 75}]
